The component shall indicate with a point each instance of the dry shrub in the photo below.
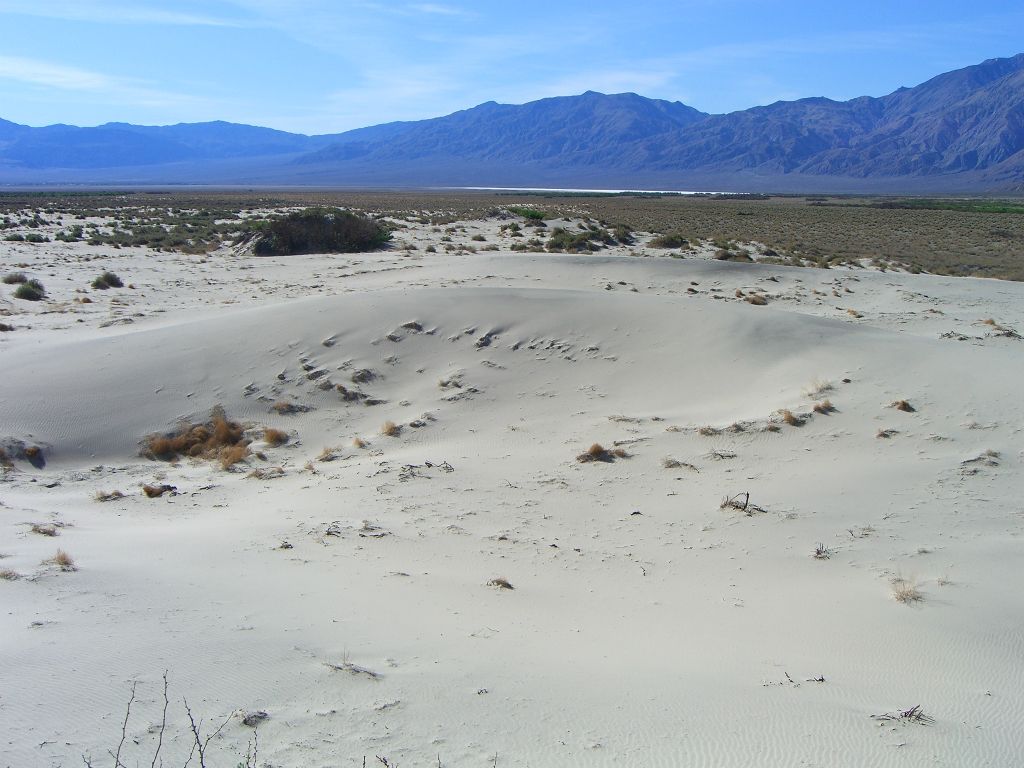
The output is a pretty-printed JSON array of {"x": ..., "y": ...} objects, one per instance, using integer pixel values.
[
  {"x": 669, "y": 463},
  {"x": 266, "y": 474},
  {"x": 771, "y": 428},
  {"x": 5, "y": 460},
  {"x": 708, "y": 431},
  {"x": 390, "y": 429},
  {"x": 232, "y": 455},
  {"x": 791, "y": 418},
  {"x": 818, "y": 387},
  {"x": 275, "y": 437},
  {"x": 44, "y": 529},
  {"x": 63, "y": 560},
  {"x": 284, "y": 408},
  {"x": 757, "y": 299},
  {"x": 329, "y": 454},
  {"x": 885, "y": 434},
  {"x": 218, "y": 438},
  {"x": 902, "y": 405},
  {"x": 906, "y": 590},
  {"x": 500, "y": 583},
  {"x": 33, "y": 452},
  {"x": 821, "y": 552},
  {"x": 6, "y": 574},
  {"x": 824, "y": 407},
  {"x": 854, "y": 314},
  {"x": 109, "y": 495},
  {"x": 358, "y": 442},
  {"x": 156, "y": 491},
  {"x": 598, "y": 452}
]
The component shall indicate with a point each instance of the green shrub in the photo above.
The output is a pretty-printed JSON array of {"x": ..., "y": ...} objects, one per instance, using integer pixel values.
[
  {"x": 107, "y": 280},
  {"x": 669, "y": 241},
  {"x": 35, "y": 237},
  {"x": 31, "y": 290},
  {"x": 15, "y": 238},
  {"x": 15, "y": 278},
  {"x": 321, "y": 230},
  {"x": 533, "y": 214}
]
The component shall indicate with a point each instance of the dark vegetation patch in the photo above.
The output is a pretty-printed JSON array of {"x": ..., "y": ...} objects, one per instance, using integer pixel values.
[{"x": 320, "y": 230}]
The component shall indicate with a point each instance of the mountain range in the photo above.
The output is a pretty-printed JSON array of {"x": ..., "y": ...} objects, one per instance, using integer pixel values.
[{"x": 960, "y": 132}]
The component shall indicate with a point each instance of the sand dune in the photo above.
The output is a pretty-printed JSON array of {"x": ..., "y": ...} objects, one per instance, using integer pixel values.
[{"x": 647, "y": 624}]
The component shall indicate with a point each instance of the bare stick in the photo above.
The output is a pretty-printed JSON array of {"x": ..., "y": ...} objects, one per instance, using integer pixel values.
[
  {"x": 163, "y": 725},
  {"x": 124, "y": 728}
]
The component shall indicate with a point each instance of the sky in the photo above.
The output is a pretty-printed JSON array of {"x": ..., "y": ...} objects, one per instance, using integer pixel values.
[{"x": 325, "y": 66}]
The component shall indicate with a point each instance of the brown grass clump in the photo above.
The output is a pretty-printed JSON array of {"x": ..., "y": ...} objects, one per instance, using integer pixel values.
[
  {"x": 5, "y": 460},
  {"x": 885, "y": 434},
  {"x": 906, "y": 590},
  {"x": 669, "y": 463},
  {"x": 63, "y": 560},
  {"x": 791, "y": 418},
  {"x": 757, "y": 299},
  {"x": 390, "y": 429},
  {"x": 44, "y": 529},
  {"x": 156, "y": 491},
  {"x": 218, "y": 439},
  {"x": 329, "y": 454},
  {"x": 854, "y": 314},
  {"x": 284, "y": 408},
  {"x": 358, "y": 442},
  {"x": 902, "y": 405},
  {"x": 598, "y": 452},
  {"x": 825, "y": 407},
  {"x": 233, "y": 455},
  {"x": 708, "y": 431},
  {"x": 500, "y": 583},
  {"x": 109, "y": 495},
  {"x": 275, "y": 437},
  {"x": 269, "y": 473},
  {"x": 6, "y": 574}
]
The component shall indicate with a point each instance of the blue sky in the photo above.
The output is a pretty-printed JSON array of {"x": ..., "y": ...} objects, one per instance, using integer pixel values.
[{"x": 317, "y": 66}]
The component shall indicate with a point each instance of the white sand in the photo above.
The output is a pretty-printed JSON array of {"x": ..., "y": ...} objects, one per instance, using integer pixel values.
[{"x": 647, "y": 626}]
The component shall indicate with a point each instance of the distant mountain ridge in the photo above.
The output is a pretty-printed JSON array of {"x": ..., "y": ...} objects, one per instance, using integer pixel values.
[{"x": 961, "y": 131}]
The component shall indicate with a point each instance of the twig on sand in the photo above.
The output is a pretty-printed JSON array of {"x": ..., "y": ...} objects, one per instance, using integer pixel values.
[{"x": 913, "y": 715}]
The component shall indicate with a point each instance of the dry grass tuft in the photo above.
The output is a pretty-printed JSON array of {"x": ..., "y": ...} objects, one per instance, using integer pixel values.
[
  {"x": 818, "y": 387},
  {"x": 44, "y": 529},
  {"x": 358, "y": 442},
  {"x": 902, "y": 405},
  {"x": 906, "y": 590},
  {"x": 156, "y": 491},
  {"x": 233, "y": 455},
  {"x": 821, "y": 552},
  {"x": 109, "y": 495},
  {"x": 757, "y": 299},
  {"x": 769, "y": 427},
  {"x": 6, "y": 574},
  {"x": 854, "y": 314},
  {"x": 885, "y": 434},
  {"x": 707, "y": 431},
  {"x": 500, "y": 583},
  {"x": 63, "y": 560},
  {"x": 284, "y": 408},
  {"x": 791, "y": 418},
  {"x": 390, "y": 429},
  {"x": 669, "y": 463},
  {"x": 598, "y": 452},
  {"x": 5, "y": 460},
  {"x": 329, "y": 454},
  {"x": 270, "y": 473},
  {"x": 217, "y": 439},
  {"x": 825, "y": 407},
  {"x": 275, "y": 437}
]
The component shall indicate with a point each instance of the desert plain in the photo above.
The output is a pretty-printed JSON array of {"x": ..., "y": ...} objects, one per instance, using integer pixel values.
[{"x": 637, "y": 507}]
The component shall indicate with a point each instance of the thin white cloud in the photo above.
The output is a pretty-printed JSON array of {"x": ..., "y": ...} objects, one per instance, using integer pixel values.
[
  {"x": 45, "y": 74},
  {"x": 438, "y": 10},
  {"x": 114, "y": 13}
]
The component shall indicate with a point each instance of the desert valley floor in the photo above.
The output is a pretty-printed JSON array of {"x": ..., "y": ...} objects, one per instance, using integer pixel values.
[{"x": 809, "y": 551}]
